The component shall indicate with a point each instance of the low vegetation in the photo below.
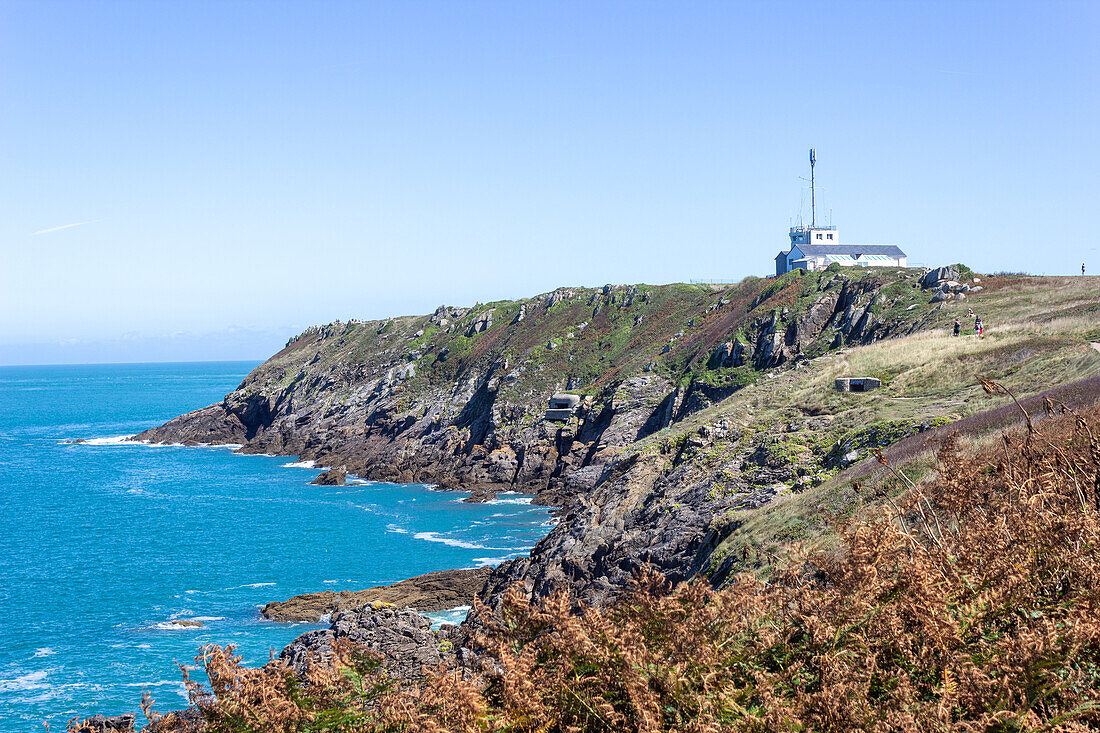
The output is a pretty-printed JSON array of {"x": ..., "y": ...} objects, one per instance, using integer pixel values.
[{"x": 963, "y": 600}]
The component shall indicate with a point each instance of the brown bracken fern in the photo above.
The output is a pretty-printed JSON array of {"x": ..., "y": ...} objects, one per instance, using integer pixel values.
[{"x": 971, "y": 602}]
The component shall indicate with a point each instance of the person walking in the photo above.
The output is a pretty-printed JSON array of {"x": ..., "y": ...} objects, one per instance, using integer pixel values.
[
  {"x": 979, "y": 327},
  {"x": 958, "y": 327}
]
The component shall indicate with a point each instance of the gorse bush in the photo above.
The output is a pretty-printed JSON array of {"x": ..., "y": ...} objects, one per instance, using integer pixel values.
[{"x": 969, "y": 602}]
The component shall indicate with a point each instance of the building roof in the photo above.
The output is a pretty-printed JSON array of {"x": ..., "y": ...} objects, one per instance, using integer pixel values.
[{"x": 852, "y": 250}]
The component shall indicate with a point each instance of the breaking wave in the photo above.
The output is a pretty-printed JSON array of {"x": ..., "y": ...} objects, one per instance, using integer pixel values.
[{"x": 450, "y": 541}]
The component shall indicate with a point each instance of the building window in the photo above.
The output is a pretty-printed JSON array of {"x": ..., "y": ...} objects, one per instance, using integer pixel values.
[
  {"x": 819, "y": 236},
  {"x": 830, "y": 236}
]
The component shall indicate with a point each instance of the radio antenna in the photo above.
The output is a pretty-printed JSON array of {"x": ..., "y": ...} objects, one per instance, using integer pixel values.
[{"x": 813, "y": 198}]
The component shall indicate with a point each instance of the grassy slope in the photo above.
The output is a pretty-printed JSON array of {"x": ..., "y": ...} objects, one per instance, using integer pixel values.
[{"x": 1038, "y": 335}]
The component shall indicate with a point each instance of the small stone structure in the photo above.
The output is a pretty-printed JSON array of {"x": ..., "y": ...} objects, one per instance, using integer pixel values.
[
  {"x": 857, "y": 384},
  {"x": 562, "y": 406}
]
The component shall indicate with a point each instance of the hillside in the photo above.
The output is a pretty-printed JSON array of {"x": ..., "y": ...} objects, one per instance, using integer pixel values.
[
  {"x": 704, "y": 407},
  {"x": 968, "y": 604}
]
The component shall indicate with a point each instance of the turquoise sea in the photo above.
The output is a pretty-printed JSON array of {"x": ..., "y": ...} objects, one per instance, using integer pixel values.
[{"x": 105, "y": 543}]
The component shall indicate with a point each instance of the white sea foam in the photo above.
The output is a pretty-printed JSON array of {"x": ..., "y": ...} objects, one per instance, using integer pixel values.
[
  {"x": 206, "y": 618},
  {"x": 29, "y": 681},
  {"x": 127, "y": 440},
  {"x": 257, "y": 585},
  {"x": 451, "y": 542},
  {"x": 299, "y": 464},
  {"x": 521, "y": 500},
  {"x": 452, "y": 616},
  {"x": 144, "y": 646},
  {"x": 44, "y": 652},
  {"x": 117, "y": 440},
  {"x": 483, "y": 561},
  {"x": 395, "y": 529}
]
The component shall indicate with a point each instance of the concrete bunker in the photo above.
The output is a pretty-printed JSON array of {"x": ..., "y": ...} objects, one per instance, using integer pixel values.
[
  {"x": 857, "y": 384},
  {"x": 562, "y": 406}
]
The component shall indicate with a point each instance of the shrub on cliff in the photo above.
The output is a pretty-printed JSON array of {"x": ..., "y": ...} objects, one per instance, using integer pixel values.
[{"x": 968, "y": 603}]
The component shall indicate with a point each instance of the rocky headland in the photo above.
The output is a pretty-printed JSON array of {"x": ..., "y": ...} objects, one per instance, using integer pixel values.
[{"x": 706, "y": 430}]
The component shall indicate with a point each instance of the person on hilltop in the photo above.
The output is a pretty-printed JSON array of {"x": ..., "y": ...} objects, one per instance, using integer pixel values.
[
  {"x": 969, "y": 312},
  {"x": 958, "y": 327},
  {"x": 979, "y": 327},
  {"x": 1082, "y": 268}
]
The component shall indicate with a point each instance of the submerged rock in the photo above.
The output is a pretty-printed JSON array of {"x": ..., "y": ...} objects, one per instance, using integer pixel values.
[{"x": 480, "y": 495}]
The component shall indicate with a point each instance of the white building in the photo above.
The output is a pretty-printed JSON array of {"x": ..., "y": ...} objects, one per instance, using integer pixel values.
[{"x": 817, "y": 247}]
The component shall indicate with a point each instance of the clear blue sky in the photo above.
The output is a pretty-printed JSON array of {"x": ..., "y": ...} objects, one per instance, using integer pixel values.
[{"x": 237, "y": 171}]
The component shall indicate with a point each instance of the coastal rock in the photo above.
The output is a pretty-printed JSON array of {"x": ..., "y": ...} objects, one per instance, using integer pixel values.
[
  {"x": 101, "y": 724},
  {"x": 401, "y": 637},
  {"x": 332, "y": 477},
  {"x": 480, "y": 495},
  {"x": 431, "y": 592}
]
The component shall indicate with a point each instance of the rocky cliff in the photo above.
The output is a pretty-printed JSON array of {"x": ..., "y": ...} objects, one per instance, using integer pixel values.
[
  {"x": 699, "y": 404},
  {"x": 457, "y": 398}
]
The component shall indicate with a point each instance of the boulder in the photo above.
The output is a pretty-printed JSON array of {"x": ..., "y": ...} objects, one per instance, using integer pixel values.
[
  {"x": 332, "y": 477},
  {"x": 401, "y": 637},
  {"x": 480, "y": 495},
  {"x": 935, "y": 276},
  {"x": 101, "y": 724}
]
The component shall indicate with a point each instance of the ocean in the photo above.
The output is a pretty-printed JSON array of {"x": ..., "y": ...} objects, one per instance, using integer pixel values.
[{"x": 105, "y": 543}]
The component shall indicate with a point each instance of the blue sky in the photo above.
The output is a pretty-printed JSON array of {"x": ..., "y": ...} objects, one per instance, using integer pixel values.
[{"x": 236, "y": 171}]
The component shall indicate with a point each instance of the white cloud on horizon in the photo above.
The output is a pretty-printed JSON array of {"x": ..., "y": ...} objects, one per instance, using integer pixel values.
[{"x": 64, "y": 226}]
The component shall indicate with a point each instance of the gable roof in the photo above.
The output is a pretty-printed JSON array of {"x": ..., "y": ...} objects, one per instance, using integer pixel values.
[{"x": 852, "y": 250}]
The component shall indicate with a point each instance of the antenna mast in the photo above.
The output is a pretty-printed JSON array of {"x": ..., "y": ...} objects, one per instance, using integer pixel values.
[{"x": 813, "y": 199}]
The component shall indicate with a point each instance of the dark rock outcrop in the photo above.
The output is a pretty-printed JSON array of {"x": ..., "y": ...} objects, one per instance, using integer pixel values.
[
  {"x": 101, "y": 724},
  {"x": 436, "y": 591},
  {"x": 332, "y": 477},
  {"x": 401, "y": 637}
]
